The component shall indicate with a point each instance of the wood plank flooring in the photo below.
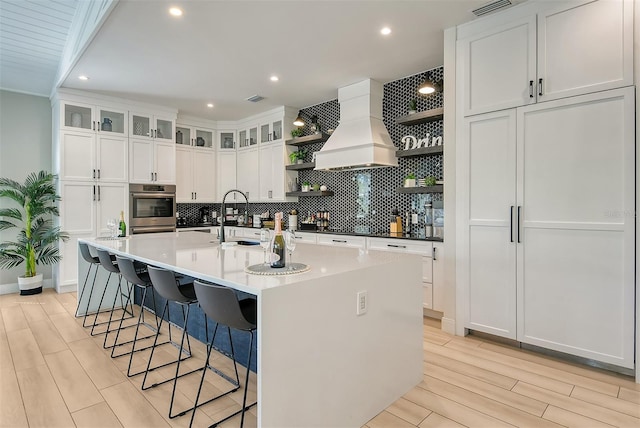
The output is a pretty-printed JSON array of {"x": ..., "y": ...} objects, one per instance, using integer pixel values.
[{"x": 53, "y": 373}]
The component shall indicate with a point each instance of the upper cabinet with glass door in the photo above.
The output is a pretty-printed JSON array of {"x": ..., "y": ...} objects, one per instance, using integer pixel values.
[
  {"x": 226, "y": 140},
  {"x": 150, "y": 126},
  {"x": 195, "y": 137},
  {"x": 248, "y": 136},
  {"x": 271, "y": 131},
  {"x": 90, "y": 118}
]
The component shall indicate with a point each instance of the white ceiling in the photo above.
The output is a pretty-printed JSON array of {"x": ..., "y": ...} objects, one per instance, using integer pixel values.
[
  {"x": 32, "y": 37},
  {"x": 225, "y": 51}
]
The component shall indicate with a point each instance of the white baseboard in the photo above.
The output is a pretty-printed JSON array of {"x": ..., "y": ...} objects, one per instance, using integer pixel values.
[
  {"x": 13, "y": 287},
  {"x": 448, "y": 325},
  {"x": 69, "y": 288}
]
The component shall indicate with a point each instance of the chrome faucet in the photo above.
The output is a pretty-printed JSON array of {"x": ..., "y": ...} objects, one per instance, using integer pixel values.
[{"x": 224, "y": 212}]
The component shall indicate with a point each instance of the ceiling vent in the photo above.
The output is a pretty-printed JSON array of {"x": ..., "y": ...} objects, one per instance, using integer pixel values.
[
  {"x": 491, "y": 7},
  {"x": 255, "y": 98}
]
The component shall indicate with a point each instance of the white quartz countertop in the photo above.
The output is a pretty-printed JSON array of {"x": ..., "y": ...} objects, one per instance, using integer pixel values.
[{"x": 199, "y": 255}]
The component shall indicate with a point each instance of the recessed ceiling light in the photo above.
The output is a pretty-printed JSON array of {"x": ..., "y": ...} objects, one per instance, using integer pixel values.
[
  {"x": 175, "y": 11},
  {"x": 83, "y": 77},
  {"x": 385, "y": 31},
  {"x": 210, "y": 105},
  {"x": 274, "y": 78}
]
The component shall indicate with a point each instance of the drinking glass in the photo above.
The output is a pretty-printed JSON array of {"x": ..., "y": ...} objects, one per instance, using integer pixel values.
[
  {"x": 112, "y": 225},
  {"x": 290, "y": 242},
  {"x": 265, "y": 242}
]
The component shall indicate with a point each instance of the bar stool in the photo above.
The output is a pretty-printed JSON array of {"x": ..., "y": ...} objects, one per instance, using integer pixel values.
[
  {"x": 221, "y": 304},
  {"x": 111, "y": 267},
  {"x": 141, "y": 280},
  {"x": 93, "y": 262},
  {"x": 165, "y": 283}
]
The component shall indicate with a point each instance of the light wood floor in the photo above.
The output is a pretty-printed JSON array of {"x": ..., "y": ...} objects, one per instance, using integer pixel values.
[{"x": 54, "y": 374}]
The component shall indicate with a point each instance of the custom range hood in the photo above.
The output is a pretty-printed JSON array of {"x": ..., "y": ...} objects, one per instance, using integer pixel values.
[{"x": 361, "y": 141}]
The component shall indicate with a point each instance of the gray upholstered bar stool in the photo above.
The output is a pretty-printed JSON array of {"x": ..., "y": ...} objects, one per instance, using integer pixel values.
[
  {"x": 108, "y": 264},
  {"x": 143, "y": 282},
  {"x": 221, "y": 304}
]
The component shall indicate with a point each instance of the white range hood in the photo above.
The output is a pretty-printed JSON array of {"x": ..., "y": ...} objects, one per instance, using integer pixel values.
[{"x": 361, "y": 141}]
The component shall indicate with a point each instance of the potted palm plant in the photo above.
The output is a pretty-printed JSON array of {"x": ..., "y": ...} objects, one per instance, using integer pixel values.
[{"x": 37, "y": 238}]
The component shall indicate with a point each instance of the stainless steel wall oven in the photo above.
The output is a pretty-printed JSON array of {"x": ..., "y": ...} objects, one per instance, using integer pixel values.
[{"x": 152, "y": 208}]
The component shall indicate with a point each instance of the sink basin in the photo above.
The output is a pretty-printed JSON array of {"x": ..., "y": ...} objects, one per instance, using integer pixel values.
[
  {"x": 238, "y": 242},
  {"x": 244, "y": 242}
]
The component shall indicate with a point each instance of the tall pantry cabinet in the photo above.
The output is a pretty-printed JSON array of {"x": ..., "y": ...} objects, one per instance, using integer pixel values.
[
  {"x": 546, "y": 180},
  {"x": 91, "y": 160}
]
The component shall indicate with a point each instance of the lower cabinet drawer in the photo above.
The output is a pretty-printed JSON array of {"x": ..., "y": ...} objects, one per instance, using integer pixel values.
[
  {"x": 427, "y": 299},
  {"x": 400, "y": 245},
  {"x": 342, "y": 240},
  {"x": 427, "y": 269},
  {"x": 307, "y": 238}
]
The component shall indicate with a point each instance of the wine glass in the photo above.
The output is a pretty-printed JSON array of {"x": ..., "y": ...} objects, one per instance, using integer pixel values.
[
  {"x": 265, "y": 242},
  {"x": 290, "y": 242},
  {"x": 112, "y": 225}
]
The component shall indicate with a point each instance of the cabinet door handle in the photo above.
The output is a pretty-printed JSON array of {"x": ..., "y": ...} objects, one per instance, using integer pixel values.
[
  {"x": 98, "y": 192},
  {"x": 94, "y": 173},
  {"x": 270, "y": 194},
  {"x": 511, "y": 224},
  {"x": 433, "y": 254},
  {"x": 94, "y": 193},
  {"x": 340, "y": 241},
  {"x": 396, "y": 246},
  {"x": 519, "y": 210},
  {"x": 530, "y": 88},
  {"x": 152, "y": 176},
  {"x": 98, "y": 174},
  {"x": 195, "y": 195},
  {"x": 156, "y": 176},
  {"x": 540, "y": 87}
]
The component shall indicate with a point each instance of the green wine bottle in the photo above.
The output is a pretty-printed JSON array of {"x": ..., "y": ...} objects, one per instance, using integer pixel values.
[
  {"x": 123, "y": 226},
  {"x": 278, "y": 243}
]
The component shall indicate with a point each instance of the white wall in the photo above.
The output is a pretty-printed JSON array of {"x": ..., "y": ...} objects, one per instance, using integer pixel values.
[{"x": 25, "y": 146}]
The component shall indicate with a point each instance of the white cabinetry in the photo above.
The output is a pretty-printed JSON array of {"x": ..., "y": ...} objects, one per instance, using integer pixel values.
[
  {"x": 432, "y": 283},
  {"x": 546, "y": 247},
  {"x": 85, "y": 208},
  {"x": 306, "y": 237},
  {"x": 247, "y": 175},
  {"x": 576, "y": 48},
  {"x": 152, "y": 156},
  {"x": 342, "y": 240},
  {"x": 151, "y": 126},
  {"x": 195, "y": 175},
  {"x": 152, "y": 162},
  {"x": 90, "y": 154},
  {"x": 272, "y": 172},
  {"x": 226, "y": 172}
]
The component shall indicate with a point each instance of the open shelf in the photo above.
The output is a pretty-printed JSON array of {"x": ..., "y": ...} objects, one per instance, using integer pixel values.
[
  {"x": 422, "y": 151},
  {"x": 308, "y": 139},
  {"x": 421, "y": 117},
  {"x": 300, "y": 166},
  {"x": 438, "y": 188},
  {"x": 318, "y": 193}
]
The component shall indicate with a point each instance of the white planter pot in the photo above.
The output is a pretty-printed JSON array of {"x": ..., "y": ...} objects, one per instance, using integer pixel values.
[
  {"x": 30, "y": 285},
  {"x": 410, "y": 182},
  {"x": 305, "y": 188}
]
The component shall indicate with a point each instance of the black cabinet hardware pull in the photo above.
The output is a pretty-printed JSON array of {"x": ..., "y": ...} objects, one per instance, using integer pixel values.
[
  {"x": 339, "y": 240},
  {"x": 511, "y": 224},
  {"x": 540, "y": 86},
  {"x": 519, "y": 207},
  {"x": 396, "y": 246},
  {"x": 530, "y": 88}
]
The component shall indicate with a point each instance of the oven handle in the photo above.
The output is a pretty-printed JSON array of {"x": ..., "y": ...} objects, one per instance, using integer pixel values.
[
  {"x": 153, "y": 195},
  {"x": 152, "y": 229}
]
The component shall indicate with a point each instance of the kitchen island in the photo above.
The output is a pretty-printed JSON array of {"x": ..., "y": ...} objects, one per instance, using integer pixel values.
[{"x": 319, "y": 362}]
